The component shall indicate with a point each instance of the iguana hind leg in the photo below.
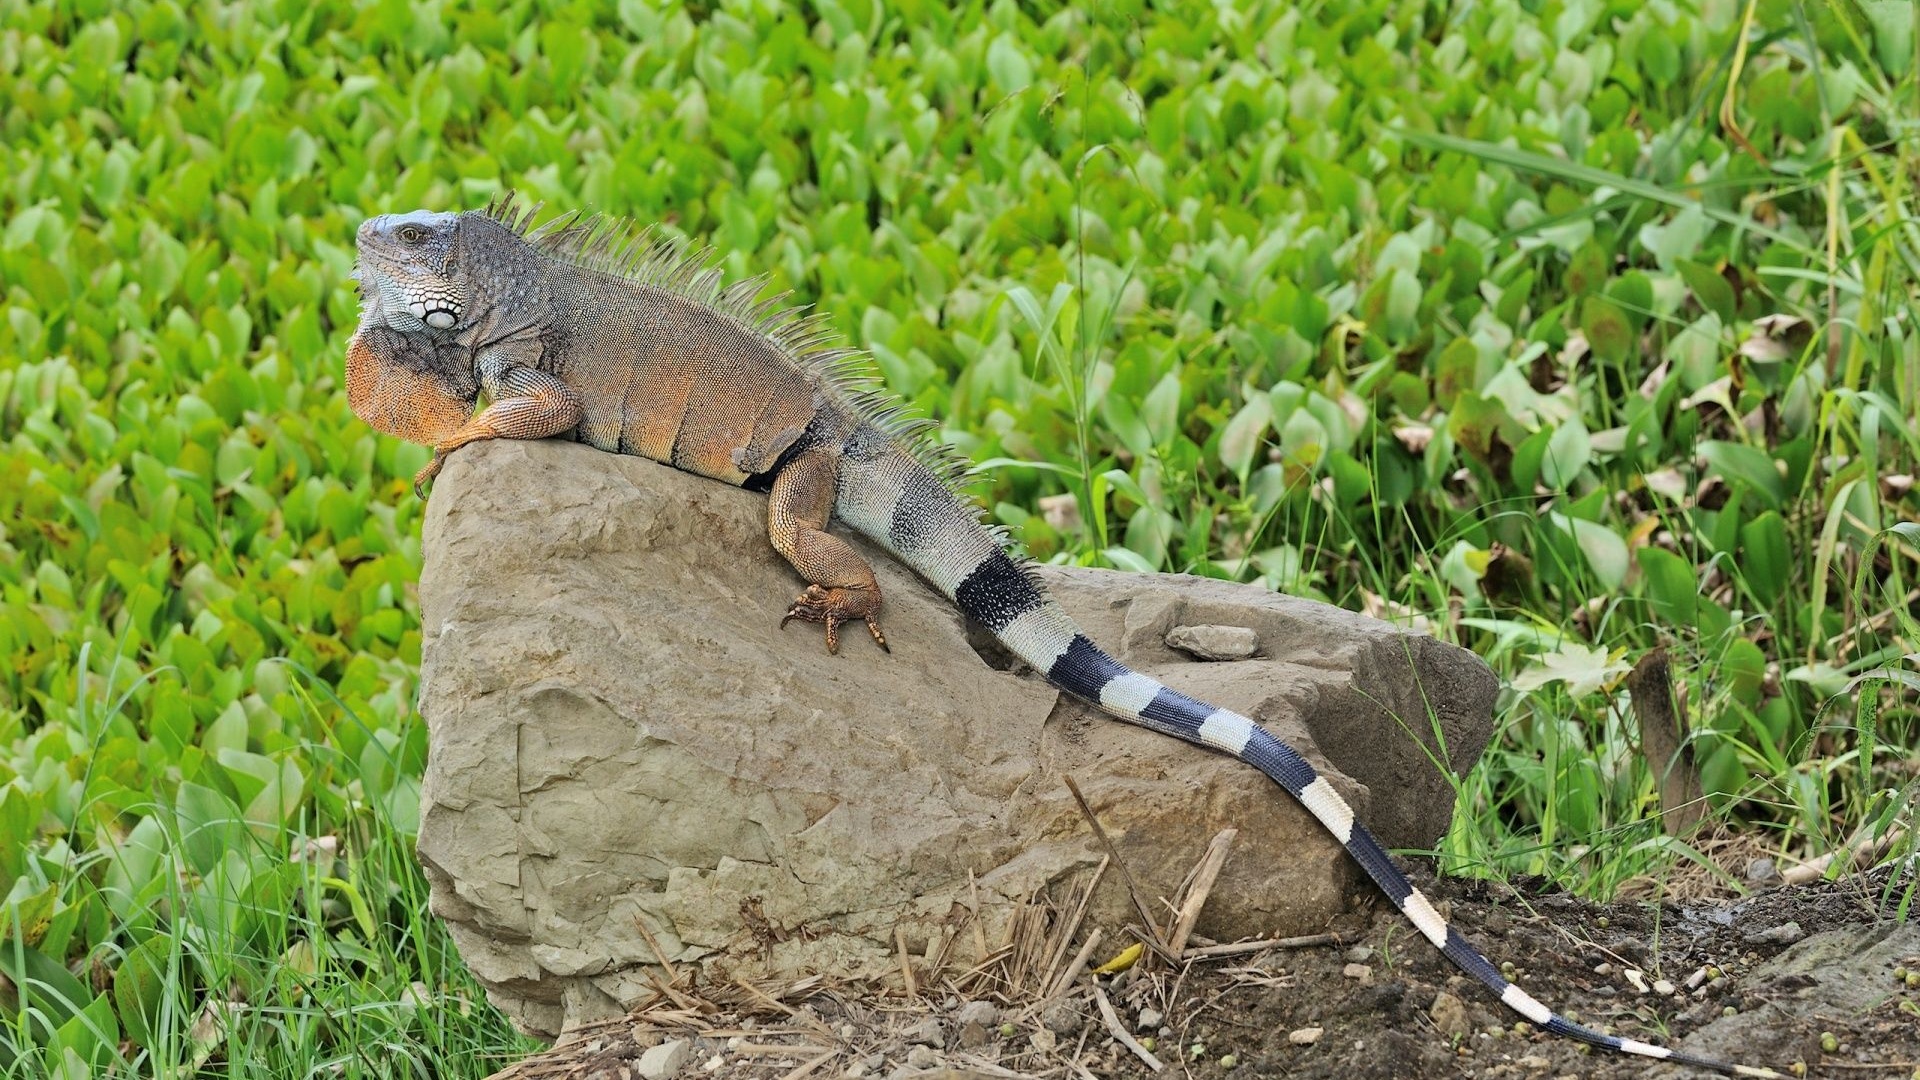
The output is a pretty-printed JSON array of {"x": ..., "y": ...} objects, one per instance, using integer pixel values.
[
  {"x": 840, "y": 586},
  {"x": 527, "y": 404}
]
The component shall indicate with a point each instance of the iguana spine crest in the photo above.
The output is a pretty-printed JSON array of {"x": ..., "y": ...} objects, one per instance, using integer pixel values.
[{"x": 643, "y": 255}]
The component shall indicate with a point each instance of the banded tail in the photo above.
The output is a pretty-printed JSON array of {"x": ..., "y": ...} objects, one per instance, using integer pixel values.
[{"x": 902, "y": 504}]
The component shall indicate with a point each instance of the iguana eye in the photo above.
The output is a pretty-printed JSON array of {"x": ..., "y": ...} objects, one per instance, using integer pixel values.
[{"x": 412, "y": 234}]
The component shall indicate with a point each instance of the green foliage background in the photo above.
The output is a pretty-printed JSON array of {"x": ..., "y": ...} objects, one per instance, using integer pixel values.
[{"x": 1477, "y": 316}]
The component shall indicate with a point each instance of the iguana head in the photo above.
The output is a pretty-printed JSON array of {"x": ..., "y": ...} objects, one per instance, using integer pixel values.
[{"x": 409, "y": 270}]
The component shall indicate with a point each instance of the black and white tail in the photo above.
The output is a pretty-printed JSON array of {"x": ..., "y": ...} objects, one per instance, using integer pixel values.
[{"x": 905, "y": 506}]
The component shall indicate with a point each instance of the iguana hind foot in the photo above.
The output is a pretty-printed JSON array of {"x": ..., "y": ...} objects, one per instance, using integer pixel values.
[
  {"x": 835, "y": 606},
  {"x": 840, "y": 584}
]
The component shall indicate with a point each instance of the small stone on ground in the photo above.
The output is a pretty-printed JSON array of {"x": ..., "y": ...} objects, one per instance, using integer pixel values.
[{"x": 663, "y": 1061}]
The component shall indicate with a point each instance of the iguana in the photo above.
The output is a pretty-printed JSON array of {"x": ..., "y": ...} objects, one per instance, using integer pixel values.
[{"x": 593, "y": 330}]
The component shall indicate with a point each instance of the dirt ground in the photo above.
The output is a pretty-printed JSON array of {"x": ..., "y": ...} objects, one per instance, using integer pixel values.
[{"x": 1762, "y": 981}]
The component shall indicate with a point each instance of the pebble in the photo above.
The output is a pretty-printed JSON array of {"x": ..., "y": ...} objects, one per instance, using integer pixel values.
[
  {"x": 973, "y": 1036},
  {"x": 1785, "y": 934},
  {"x": 1044, "y": 1041},
  {"x": 1063, "y": 1018},
  {"x": 1638, "y": 980},
  {"x": 1449, "y": 1014},
  {"x": 713, "y": 1063},
  {"x": 975, "y": 1012},
  {"x": 1359, "y": 954},
  {"x": 1358, "y": 971},
  {"x": 1533, "y": 1063},
  {"x": 1151, "y": 1019},
  {"x": 660, "y": 1062},
  {"x": 1213, "y": 642},
  {"x": 1662, "y": 987},
  {"x": 923, "y": 1057},
  {"x": 1305, "y": 1036},
  {"x": 925, "y": 1033}
]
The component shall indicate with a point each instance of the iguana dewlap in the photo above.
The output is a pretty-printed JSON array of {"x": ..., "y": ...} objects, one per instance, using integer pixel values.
[{"x": 587, "y": 329}]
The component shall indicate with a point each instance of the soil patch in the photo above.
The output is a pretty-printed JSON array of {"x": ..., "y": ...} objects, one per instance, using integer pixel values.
[{"x": 1762, "y": 981}]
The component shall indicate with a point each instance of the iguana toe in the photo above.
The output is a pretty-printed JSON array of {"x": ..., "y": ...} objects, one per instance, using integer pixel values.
[
  {"x": 835, "y": 606},
  {"x": 432, "y": 470}
]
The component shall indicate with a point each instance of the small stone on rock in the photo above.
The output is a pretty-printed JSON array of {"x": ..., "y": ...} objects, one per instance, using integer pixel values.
[
  {"x": 1785, "y": 934},
  {"x": 662, "y": 1061},
  {"x": 1358, "y": 971},
  {"x": 1305, "y": 1036},
  {"x": 1215, "y": 642}
]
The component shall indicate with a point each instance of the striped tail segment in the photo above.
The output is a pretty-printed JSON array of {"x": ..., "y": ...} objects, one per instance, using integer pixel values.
[
  {"x": 915, "y": 516},
  {"x": 1043, "y": 635}
]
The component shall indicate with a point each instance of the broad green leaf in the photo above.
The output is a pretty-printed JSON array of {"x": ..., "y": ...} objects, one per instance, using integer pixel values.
[
  {"x": 1567, "y": 454},
  {"x": 1893, "y": 23},
  {"x": 49, "y": 994},
  {"x": 1242, "y": 436},
  {"x": 1008, "y": 65},
  {"x": 1161, "y": 409},
  {"x": 1672, "y": 586},
  {"x": 139, "y": 987},
  {"x": 1608, "y": 330},
  {"x": 1765, "y": 564},
  {"x": 1605, "y": 551},
  {"x": 1708, "y": 287},
  {"x": 1737, "y": 463}
]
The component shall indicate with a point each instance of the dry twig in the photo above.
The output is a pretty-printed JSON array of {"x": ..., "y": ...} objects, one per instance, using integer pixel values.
[{"x": 1121, "y": 1033}]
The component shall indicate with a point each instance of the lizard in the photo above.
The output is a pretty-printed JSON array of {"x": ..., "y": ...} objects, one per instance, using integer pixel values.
[{"x": 592, "y": 329}]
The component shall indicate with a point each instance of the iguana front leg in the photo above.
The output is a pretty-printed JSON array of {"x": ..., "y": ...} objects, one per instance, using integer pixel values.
[
  {"x": 527, "y": 403},
  {"x": 840, "y": 583}
]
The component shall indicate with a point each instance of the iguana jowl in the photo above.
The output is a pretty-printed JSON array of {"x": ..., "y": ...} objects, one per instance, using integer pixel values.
[{"x": 589, "y": 329}]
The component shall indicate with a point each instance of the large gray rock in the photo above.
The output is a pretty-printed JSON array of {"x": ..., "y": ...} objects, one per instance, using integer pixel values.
[{"x": 623, "y": 738}]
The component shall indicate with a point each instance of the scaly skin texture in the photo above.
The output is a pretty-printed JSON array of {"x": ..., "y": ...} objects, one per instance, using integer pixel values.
[{"x": 582, "y": 329}]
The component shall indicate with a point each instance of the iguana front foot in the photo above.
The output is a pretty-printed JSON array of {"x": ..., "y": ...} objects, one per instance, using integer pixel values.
[
  {"x": 527, "y": 404},
  {"x": 432, "y": 470},
  {"x": 835, "y": 606}
]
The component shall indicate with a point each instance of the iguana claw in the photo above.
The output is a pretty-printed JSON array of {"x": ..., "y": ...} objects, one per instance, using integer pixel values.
[
  {"x": 833, "y": 607},
  {"x": 432, "y": 470}
]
